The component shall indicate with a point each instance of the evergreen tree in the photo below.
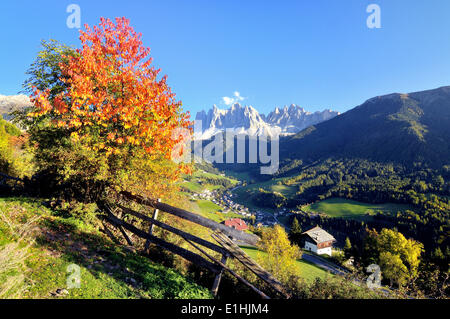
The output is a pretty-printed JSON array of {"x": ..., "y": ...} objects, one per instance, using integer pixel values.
[{"x": 295, "y": 232}]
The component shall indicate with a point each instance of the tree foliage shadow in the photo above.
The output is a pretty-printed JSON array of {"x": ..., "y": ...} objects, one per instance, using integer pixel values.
[{"x": 101, "y": 256}]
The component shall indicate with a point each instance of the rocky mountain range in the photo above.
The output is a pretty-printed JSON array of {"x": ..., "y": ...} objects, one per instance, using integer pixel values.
[
  {"x": 246, "y": 119},
  {"x": 240, "y": 119},
  {"x": 9, "y": 103}
]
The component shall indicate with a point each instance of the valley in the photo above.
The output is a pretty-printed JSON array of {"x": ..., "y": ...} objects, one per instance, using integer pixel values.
[
  {"x": 342, "y": 193},
  {"x": 213, "y": 195},
  {"x": 226, "y": 151},
  {"x": 381, "y": 165}
]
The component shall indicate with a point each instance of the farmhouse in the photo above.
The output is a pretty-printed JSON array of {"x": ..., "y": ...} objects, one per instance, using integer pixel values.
[
  {"x": 236, "y": 223},
  {"x": 318, "y": 240}
]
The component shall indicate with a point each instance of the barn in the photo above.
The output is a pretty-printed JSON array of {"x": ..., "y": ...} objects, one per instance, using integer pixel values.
[{"x": 318, "y": 241}]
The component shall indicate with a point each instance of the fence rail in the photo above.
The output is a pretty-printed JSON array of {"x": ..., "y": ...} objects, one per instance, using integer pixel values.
[
  {"x": 220, "y": 233},
  {"x": 162, "y": 243},
  {"x": 174, "y": 230},
  {"x": 4, "y": 178},
  {"x": 200, "y": 220},
  {"x": 242, "y": 257}
]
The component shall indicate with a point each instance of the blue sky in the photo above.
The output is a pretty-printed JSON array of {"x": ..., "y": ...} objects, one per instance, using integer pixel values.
[{"x": 315, "y": 53}]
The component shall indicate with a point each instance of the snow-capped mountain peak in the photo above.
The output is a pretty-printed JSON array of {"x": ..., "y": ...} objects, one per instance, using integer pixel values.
[
  {"x": 246, "y": 119},
  {"x": 9, "y": 103}
]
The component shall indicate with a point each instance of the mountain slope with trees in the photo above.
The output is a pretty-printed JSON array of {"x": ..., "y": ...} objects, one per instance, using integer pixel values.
[
  {"x": 391, "y": 149},
  {"x": 399, "y": 128}
]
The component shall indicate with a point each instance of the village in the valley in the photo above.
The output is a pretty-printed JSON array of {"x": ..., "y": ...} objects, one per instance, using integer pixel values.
[
  {"x": 316, "y": 240},
  {"x": 225, "y": 200}
]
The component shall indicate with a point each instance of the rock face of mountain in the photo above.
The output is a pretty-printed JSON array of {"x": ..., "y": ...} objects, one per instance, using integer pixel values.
[
  {"x": 294, "y": 118},
  {"x": 239, "y": 119},
  {"x": 9, "y": 103},
  {"x": 400, "y": 128},
  {"x": 246, "y": 119}
]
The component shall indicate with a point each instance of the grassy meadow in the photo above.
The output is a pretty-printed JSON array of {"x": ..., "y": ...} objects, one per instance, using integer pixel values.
[
  {"x": 350, "y": 209},
  {"x": 37, "y": 246},
  {"x": 305, "y": 269}
]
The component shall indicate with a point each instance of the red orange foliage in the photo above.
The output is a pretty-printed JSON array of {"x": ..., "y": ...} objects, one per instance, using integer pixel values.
[{"x": 115, "y": 100}]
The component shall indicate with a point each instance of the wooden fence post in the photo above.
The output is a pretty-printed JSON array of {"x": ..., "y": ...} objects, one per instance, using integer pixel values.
[
  {"x": 215, "y": 287},
  {"x": 225, "y": 248},
  {"x": 130, "y": 243},
  {"x": 150, "y": 230}
]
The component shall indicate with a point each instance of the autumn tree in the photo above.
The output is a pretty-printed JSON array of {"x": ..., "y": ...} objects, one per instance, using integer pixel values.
[
  {"x": 5, "y": 150},
  {"x": 103, "y": 115},
  {"x": 14, "y": 160},
  {"x": 280, "y": 255},
  {"x": 393, "y": 268},
  {"x": 398, "y": 257}
]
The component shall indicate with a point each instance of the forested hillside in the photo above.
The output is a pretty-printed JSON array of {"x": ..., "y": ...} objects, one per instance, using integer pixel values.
[
  {"x": 392, "y": 151},
  {"x": 406, "y": 129}
]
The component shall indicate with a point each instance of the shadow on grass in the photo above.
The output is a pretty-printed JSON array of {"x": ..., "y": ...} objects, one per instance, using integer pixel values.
[
  {"x": 103, "y": 259},
  {"x": 108, "y": 269},
  {"x": 7, "y": 198}
]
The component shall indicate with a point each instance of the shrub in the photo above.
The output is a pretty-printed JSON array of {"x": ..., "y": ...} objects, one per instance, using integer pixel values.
[
  {"x": 281, "y": 254},
  {"x": 15, "y": 160}
]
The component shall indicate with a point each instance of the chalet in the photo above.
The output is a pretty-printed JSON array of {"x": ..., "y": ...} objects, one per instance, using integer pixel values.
[
  {"x": 318, "y": 240},
  {"x": 236, "y": 223}
]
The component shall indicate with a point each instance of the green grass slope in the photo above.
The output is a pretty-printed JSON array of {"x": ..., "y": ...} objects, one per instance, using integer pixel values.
[
  {"x": 306, "y": 270},
  {"x": 37, "y": 246},
  {"x": 201, "y": 180}
]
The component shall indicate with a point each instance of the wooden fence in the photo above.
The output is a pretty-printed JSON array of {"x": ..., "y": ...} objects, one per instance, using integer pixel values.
[
  {"x": 5, "y": 178},
  {"x": 222, "y": 234}
]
